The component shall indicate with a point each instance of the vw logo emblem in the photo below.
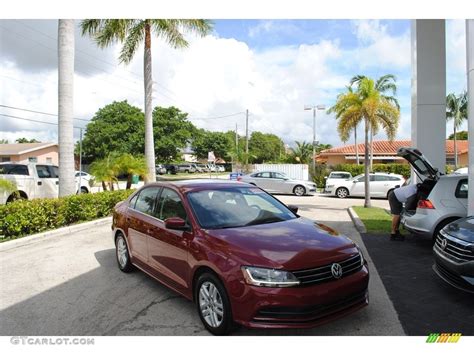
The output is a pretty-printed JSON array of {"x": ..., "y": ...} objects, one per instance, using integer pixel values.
[
  {"x": 444, "y": 243},
  {"x": 336, "y": 270}
]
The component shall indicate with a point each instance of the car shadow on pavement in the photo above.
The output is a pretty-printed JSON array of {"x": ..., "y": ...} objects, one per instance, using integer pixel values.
[
  {"x": 105, "y": 301},
  {"x": 425, "y": 304}
]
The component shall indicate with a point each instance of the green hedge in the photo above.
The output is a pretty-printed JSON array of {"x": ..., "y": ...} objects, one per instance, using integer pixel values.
[{"x": 25, "y": 217}]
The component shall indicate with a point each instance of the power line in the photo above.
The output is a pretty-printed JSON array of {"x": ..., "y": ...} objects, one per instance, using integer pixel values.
[
  {"x": 32, "y": 120},
  {"x": 41, "y": 113}
]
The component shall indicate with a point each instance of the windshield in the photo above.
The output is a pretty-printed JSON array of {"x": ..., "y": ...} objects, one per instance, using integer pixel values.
[{"x": 237, "y": 207}]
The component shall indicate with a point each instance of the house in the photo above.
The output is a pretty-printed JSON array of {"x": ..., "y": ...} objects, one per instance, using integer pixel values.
[
  {"x": 386, "y": 152},
  {"x": 30, "y": 152}
]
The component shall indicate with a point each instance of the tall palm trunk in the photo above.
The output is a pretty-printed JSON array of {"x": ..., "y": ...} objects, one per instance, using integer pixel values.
[
  {"x": 371, "y": 150},
  {"x": 366, "y": 165},
  {"x": 356, "y": 146},
  {"x": 66, "y": 107},
  {"x": 455, "y": 148},
  {"x": 149, "y": 142}
]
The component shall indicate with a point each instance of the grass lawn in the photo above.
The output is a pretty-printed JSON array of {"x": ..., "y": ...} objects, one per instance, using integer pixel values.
[{"x": 375, "y": 219}]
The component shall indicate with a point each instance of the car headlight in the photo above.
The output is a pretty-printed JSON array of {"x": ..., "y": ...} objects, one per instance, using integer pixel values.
[
  {"x": 329, "y": 186},
  {"x": 362, "y": 259},
  {"x": 269, "y": 277}
]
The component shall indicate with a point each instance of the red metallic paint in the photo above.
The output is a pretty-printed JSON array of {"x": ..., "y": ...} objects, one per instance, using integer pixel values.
[{"x": 173, "y": 257}]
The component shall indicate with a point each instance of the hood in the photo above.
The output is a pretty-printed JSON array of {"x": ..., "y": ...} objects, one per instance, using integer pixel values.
[
  {"x": 462, "y": 229},
  {"x": 419, "y": 162},
  {"x": 303, "y": 182},
  {"x": 292, "y": 245}
]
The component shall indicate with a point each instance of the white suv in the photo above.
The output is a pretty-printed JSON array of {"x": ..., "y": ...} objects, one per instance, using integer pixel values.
[
  {"x": 380, "y": 185},
  {"x": 33, "y": 181}
]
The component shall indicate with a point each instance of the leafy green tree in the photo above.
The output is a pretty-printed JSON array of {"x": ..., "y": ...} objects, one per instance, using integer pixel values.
[
  {"x": 460, "y": 136},
  {"x": 3, "y": 141},
  {"x": 26, "y": 140},
  {"x": 456, "y": 110},
  {"x": 265, "y": 147},
  {"x": 208, "y": 141},
  {"x": 116, "y": 128},
  {"x": 377, "y": 109},
  {"x": 172, "y": 132},
  {"x": 132, "y": 34}
]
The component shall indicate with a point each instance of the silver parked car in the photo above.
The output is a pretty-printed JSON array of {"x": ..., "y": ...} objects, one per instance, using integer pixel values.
[
  {"x": 441, "y": 199},
  {"x": 380, "y": 185},
  {"x": 276, "y": 182}
]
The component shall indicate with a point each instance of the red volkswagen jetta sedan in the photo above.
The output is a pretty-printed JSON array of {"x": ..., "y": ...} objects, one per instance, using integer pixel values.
[{"x": 240, "y": 254}]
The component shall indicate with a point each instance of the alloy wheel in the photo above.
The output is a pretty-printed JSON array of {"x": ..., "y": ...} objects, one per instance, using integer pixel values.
[
  {"x": 300, "y": 191},
  {"x": 211, "y": 304},
  {"x": 122, "y": 253}
]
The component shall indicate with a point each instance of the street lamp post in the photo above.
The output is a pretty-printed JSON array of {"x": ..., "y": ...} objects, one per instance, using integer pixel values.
[{"x": 314, "y": 108}]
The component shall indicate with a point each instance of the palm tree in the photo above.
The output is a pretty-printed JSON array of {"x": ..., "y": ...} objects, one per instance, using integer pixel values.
[
  {"x": 376, "y": 110},
  {"x": 387, "y": 87},
  {"x": 346, "y": 128},
  {"x": 130, "y": 165},
  {"x": 67, "y": 184},
  {"x": 106, "y": 171},
  {"x": 456, "y": 110},
  {"x": 303, "y": 152},
  {"x": 132, "y": 33}
]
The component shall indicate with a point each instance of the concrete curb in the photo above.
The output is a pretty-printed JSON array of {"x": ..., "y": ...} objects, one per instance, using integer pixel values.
[
  {"x": 15, "y": 243},
  {"x": 356, "y": 220}
]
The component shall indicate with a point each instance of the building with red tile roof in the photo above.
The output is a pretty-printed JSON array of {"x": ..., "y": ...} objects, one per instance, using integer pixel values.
[{"x": 385, "y": 151}]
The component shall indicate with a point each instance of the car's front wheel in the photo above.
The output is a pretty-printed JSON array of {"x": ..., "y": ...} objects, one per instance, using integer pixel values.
[
  {"x": 213, "y": 305},
  {"x": 299, "y": 190},
  {"x": 122, "y": 253},
  {"x": 342, "y": 192}
]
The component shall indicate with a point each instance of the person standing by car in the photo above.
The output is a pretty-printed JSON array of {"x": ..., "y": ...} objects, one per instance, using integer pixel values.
[{"x": 396, "y": 199}]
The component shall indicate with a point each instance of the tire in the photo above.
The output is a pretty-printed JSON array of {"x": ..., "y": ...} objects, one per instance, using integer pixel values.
[
  {"x": 84, "y": 190},
  {"x": 15, "y": 196},
  {"x": 299, "y": 190},
  {"x": 122, "y": 254},
  {"x": 209, "y": 306},
  {"x": 342, "y": 192}
]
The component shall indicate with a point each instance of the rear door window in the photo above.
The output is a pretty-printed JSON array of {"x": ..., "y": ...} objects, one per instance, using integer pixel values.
[
  {"x": 462, "y": 189},
  {"x": 13, "y": 169},
  {"x": 43, "y": 171},
  {"x": 146, "y": 201}
]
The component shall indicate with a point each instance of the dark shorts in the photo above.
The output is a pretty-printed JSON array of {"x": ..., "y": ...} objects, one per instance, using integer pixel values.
[{"x": 395, "y": 205}]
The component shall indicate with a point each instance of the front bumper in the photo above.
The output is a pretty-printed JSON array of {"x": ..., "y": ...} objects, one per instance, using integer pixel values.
[
  {"x": 303, "y": 306},
  {"x": 459, "y": 275}
]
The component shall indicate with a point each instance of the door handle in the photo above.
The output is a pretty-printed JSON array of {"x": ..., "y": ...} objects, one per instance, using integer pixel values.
[
  {"x": 57, "y": 182},
  {"x": 40, "y": 183}
]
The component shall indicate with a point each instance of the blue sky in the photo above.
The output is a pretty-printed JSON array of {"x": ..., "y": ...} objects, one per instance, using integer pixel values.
[{"x": 271, "y": 67}]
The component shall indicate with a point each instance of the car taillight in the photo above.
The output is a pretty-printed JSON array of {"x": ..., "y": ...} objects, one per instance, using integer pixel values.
[
  {"x": 239, "y": 178},
  {"x": 425, "y": 204}
]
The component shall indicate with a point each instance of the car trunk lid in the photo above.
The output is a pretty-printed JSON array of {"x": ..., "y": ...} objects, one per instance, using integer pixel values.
[{"x": 419, "y": 162}]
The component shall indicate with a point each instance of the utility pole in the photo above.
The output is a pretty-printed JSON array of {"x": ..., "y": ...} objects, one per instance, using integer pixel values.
[
  {"x": 246, "y": 138},
  {"x": 314, "y": 141},
  {"x": 80, "y": 159}
]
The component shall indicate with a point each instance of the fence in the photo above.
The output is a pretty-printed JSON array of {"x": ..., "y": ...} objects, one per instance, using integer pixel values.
[{"x": 294, "y": 171}]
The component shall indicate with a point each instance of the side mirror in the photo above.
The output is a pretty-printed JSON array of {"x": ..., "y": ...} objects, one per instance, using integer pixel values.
[
  {"x": 176, "y": 223},
  {"x": 293, "y": 208}
]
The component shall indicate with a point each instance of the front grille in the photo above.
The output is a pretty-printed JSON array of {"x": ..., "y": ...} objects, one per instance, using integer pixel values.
[
  {"x": 455, "y": 250},
  {"x": 453, "y": 278},
  {"x": 288, "y": 315},
  {"x": 324, "y": 274}
]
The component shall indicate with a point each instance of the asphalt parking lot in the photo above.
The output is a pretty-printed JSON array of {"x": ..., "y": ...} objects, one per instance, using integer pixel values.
[
  {"x": 424, "y": 302},
  {"x": 70, "y": 285}
]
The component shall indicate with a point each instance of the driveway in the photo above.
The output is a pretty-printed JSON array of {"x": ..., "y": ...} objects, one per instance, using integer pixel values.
[{"x": 70, "y": 285}]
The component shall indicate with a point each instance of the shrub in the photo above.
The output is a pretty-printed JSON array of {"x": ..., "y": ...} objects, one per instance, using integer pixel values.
[{"x": 24, "y": 217}]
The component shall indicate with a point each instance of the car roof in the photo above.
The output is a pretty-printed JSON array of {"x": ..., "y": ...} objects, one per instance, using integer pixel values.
[{"x": 199, "y": 184}]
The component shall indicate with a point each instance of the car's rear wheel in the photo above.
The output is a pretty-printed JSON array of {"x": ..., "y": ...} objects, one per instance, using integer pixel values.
[
  {"x": 299, "y": 190},
  {"x": 342, "y": 192},
  {"x": 123, "y": 256},
  {"x": 84, "y": 190},
  {"x": 213, "y": 304}
]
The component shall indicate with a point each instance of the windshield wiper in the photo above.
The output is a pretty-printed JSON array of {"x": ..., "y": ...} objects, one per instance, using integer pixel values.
[{"x": 265, "y": 220}]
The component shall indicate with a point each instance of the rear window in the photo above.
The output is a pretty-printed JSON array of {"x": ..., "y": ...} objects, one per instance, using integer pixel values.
[
  {"x": 13, "y": 169},
  {"x": 462, "y": 189}
]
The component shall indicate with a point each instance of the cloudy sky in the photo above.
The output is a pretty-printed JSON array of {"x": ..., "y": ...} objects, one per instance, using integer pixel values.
[{"x": 270, "y": 67}]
